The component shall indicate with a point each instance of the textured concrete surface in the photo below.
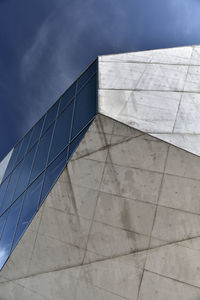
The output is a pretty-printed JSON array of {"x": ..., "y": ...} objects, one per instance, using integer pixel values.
[
  {"x": 156, "y": 92},
  {"x": 122, "y": 222}
]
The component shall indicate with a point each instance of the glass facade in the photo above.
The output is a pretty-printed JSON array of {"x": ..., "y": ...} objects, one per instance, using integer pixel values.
[{"x": 40, "y": 157}]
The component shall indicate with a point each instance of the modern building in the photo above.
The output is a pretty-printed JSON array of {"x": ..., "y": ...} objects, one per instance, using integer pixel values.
[{"x": 101, "y": 198}]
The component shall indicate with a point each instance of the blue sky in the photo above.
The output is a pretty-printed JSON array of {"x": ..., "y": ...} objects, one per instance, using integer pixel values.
[{"x": 45, "y": 44}]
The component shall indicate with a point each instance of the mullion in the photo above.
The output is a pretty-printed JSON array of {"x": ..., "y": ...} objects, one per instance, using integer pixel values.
[
  {"x": 30, "y": 168},
  {"x": 47, "y": 157},
  {"x": 17, "y": 221},
  {"x": 40, "y": 157},
  {"x": 58, "y": 114},
  {"x": 57, "y": 105},
  {"x": 32, "y": 212},
  {"x": 78, "y": 92},
  {"x": 7, "y": 189},
  {"x": 72, "y": 120},
  {"x": 30, "y": 171},
  {"x": 61, "y": 136},
  {"x": 55, "y": 179},
  {"x": 22, "y": 162},
  {"x": 3, "y": 225},
  {"x": 93, "y": 65},
  {"x": 8, "y": 238},
  {"x": 16, "y": 183},
  {"x": 85, "y": 107},
  {"x": 34, "y": 128},
  {"x": 20, "y": 174},
  {"x": 50, "y": 162},
  {"x": 28, "y": 136},
  {"x": 3, "y": 190},
  {"x": 27, "y": 147}
]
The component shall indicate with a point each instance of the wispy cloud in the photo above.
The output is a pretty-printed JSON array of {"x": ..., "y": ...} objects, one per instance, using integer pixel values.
[{"x": 65, "y": 43}]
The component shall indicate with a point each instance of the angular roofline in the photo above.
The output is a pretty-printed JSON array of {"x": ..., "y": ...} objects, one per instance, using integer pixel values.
[{"x": 176, "y": 47}]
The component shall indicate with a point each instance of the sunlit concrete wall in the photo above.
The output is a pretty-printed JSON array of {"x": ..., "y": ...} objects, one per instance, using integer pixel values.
[
  {"x": 156, "y": 91},
  {"x": 122, "y": 222}
]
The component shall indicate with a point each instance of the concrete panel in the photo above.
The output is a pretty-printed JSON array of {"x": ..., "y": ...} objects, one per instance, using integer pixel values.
[
  {"x": 163, "y": 78},
  {"x": 140, "y": 153},
  {"x": 172, "y": 225},
  {"x": 157, "y": 287},
  {"x": 65, "y": 227},
  {"x": 120, "y": 75},
  {"x": 111, "y": 241},
  {"x": 85, "y": 172},
  {"x": 120, "y": 276},
  {"x": 50, "y": 254},
  {"x": 195, "y": 58},
  {"x": 156, "y": 92},
  {"x": 177, "y": 262},
  {"x": 146, "y": 111},
  {"x": 188, "y": 114},
  {"x": 192, "y": 83},
  {"x": 125, "y": 213},
  {"x": 181, "y": 193},
  {"x": 149, "y": 77},
  {"x": 131, "y": 183},
  {"x": 182, "y": 164},
  {"x": 14, "y": 291}
]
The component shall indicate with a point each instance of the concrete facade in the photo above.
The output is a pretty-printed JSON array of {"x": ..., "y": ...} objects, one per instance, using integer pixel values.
[
  {"x": 156, "y": 92},
  {"x": 122, "y": 222}
]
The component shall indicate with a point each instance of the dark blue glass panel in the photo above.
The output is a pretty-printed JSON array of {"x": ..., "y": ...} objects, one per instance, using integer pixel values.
[
  {"x": 25, "y": 173},
  {"x": 86, "y": 106},
  {"x": 62, "y": 132},
  {"x": 51, "y": 142},
  {"x": 3, "y": 190},
  {"x": 9, "y": 230},
  {"x": 87, "y": 74},
  {"x": 36, "y": 132},
  {"x": 12, "y": 160},
  {"x": 2, "y": 222},
  {"x": 51, "y": 116},
  {"x": 52, "y": 173},
  {"x": 76, "y": 142},
  {"x": 23, "y": 149},
  {"x": 8, "y": 198},
  {"x": 42, "y": 153},
  {"x": 29, "y": 207},
  {"x": 67, "y": 97}
]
